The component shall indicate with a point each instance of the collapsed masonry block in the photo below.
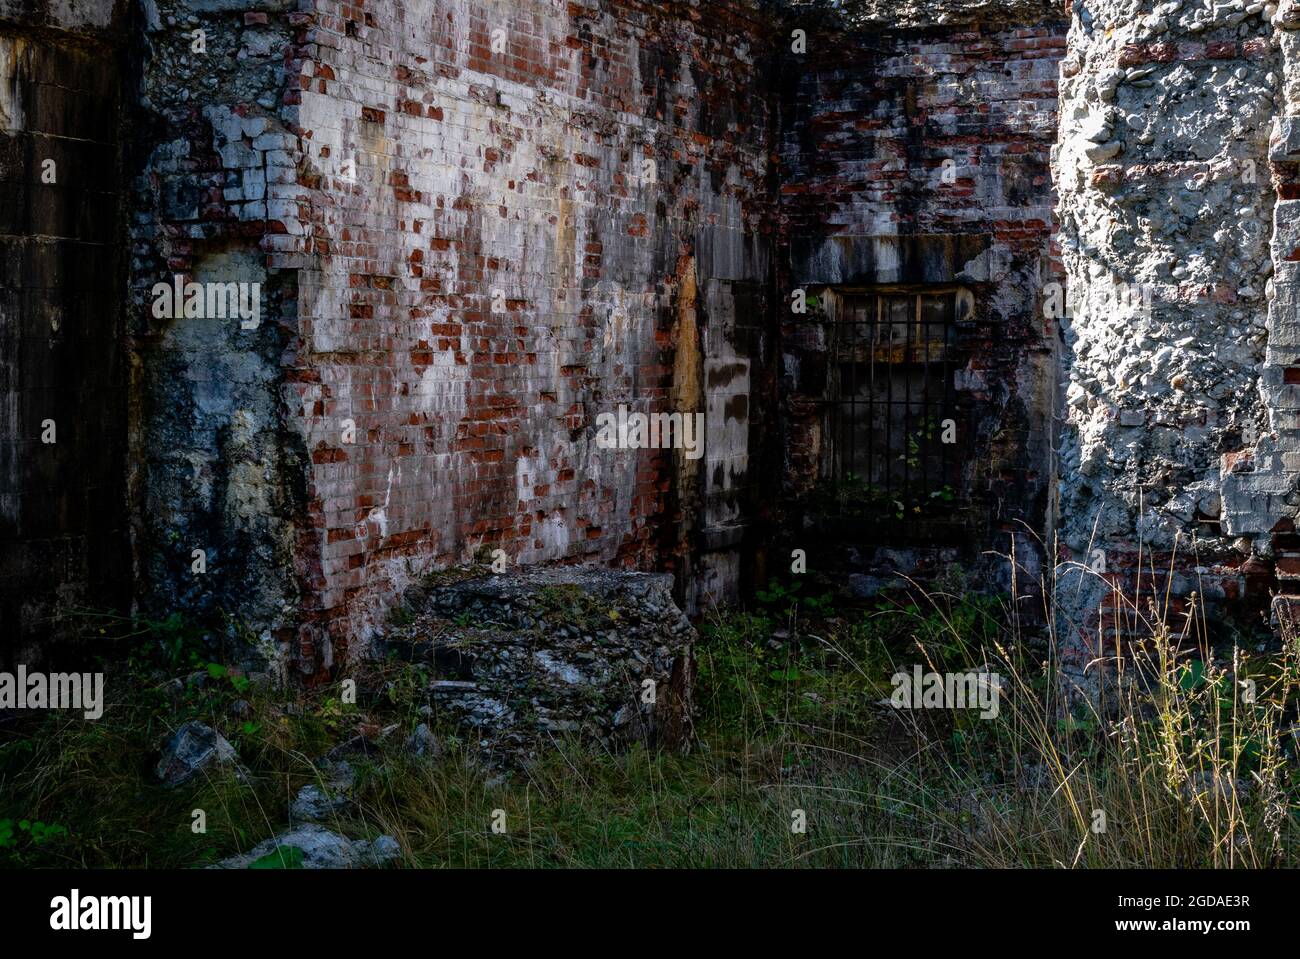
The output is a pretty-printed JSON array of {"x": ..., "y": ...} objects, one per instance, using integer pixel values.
[{"x": 538, "y": 654}]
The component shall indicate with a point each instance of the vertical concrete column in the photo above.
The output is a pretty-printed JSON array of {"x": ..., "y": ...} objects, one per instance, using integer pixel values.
[{"x": 62, "y": 367}]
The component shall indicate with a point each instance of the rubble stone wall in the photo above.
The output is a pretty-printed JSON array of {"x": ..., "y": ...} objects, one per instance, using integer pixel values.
[
  {"x": 1178, "y": 458},
  {"x": 218, "y": 482}
]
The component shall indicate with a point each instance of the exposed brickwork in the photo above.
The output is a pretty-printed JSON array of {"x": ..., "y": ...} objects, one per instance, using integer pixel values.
[
  {"x": 440, "y": 174},
  {"x": 867, "y": 140}
]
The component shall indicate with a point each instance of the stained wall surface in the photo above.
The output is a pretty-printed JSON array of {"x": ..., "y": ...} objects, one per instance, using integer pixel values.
[
  {"x": 915, "y": 161},
  {"x": 472, "y": 228},
  {"x": 476, "y": 227},
  {"x": 63, "y": 367}
]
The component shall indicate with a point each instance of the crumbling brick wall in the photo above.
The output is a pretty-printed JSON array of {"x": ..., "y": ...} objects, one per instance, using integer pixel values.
[
  {"x": 475, "y": 228},
  {"x": 920, "y": 158},
  {"x": 518, "y": 216}
]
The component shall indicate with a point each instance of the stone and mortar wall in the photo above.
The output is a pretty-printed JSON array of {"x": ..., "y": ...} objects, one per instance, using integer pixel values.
[
  {"x": 868, "y": 121},
  {"x": 1280, "y": 374},
  {"x": 215, "y": 165},
  {"x": 63, "y": 395},
  {"x": 1178, "y": 453},
  {"x": 486, "y": 263}
]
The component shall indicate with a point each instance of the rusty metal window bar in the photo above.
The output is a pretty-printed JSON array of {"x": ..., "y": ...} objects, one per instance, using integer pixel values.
[{"x": 893, "y": 399}]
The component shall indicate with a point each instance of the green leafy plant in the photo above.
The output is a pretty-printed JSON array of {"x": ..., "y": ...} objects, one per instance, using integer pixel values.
[
  {"x": 853, "y": 496},
  {"x": 238, "y": 681},
  {"x": 788, "y": 601},
  {"x": 36, "y": 831},
  {"x": 281, "y": 857}
]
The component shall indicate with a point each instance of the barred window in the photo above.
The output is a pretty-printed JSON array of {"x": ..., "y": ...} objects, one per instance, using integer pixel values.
[{"x": 893, "y": 419}]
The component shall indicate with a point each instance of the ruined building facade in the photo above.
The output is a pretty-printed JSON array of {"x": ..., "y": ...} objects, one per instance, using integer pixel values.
[{"x": 948, "y": 284}]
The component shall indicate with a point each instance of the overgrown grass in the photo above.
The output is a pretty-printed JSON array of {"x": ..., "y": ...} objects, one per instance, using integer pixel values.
[{"x": 1179, "y": 769}]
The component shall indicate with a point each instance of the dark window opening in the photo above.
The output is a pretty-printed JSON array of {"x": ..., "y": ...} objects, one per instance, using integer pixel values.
[{"x": 893, "y": 415}]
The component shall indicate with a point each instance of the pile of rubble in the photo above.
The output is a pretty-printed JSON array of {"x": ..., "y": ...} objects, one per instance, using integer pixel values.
[
  {"x": 540, "y": 653},
  {"x": 517, "y": 661}
]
